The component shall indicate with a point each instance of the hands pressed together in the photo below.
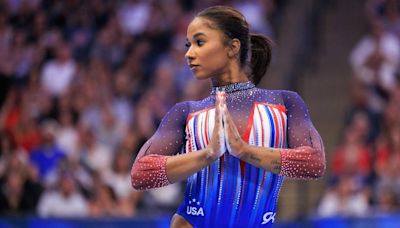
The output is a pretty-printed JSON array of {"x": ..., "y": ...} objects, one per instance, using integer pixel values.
[{"x": 225, "y": 135}]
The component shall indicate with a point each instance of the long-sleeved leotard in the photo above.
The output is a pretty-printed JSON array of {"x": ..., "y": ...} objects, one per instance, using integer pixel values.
[{"x": 231, "y": 192}]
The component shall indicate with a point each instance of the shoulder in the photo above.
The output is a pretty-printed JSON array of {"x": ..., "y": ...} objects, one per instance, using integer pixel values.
[
  {"x": 176, "y": 113},
  {"x": 283, "y": 94},
  {"x": 292, "y": 100},
  {"x": 268, "y": 91},
  {"x": 273, "y": 91},
  {"x": 279, "y": 97},
  {"x": 288, "y": 94},
  {"x": 181, "y": 110},
  {"x": 180, "y": 107},
  {"x": 197, "y": 105}
]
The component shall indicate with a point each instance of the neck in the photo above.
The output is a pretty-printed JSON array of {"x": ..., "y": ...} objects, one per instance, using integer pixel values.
[
  {"x": 233, "y": 87},
  {"x": 233, "y": 74}
]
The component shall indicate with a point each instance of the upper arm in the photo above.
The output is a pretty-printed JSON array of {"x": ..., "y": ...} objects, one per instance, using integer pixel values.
[
  {"x": 170, "y": 135},
  {"x": 300, "y": 131}
]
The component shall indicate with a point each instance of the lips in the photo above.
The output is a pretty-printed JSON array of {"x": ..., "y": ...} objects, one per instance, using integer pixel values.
[{"x": 193, "y": 66}]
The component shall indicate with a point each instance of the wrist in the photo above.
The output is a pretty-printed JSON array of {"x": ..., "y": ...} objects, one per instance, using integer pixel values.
[
  {"x": 243, "y": 151},
  {"x": 209, "y": 155}
]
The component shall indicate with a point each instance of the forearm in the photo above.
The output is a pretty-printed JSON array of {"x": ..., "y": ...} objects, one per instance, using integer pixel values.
[
  {"x": 182, "y": 166},
  {"x": 263, "y": 157},
  {"x": 153, "y": 171},
  {"x": 301, "y": 162}
]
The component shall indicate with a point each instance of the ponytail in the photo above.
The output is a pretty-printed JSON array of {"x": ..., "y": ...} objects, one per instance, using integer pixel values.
[{"x": 260, "y": 56}]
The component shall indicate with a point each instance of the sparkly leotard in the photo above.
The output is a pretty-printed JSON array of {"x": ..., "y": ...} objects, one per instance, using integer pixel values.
[{"x": 230, "y": 192}]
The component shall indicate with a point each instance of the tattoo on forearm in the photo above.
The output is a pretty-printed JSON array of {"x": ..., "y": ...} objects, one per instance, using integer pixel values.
[
  {"x": 275, "y": 162},
  {"x": 254, "y": 158},
  {"x": 276, "y": 169},
  {"x": 276, "y": 165}
]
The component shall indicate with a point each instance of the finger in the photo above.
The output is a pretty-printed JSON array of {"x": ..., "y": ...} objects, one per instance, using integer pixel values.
[
  {"x": 229, "y": 121},
  {"x": 226, "y": 138},
  {"x": 222, "y": 97},
  {"x": 217, "y": 112},
  {"x": 227, "y": 115},
  {"x": 224, "y": 120},
  {"x": 217, "y": 109},
  {"x": 220, "y": 101},
  {"x": 217, "y": 100}
]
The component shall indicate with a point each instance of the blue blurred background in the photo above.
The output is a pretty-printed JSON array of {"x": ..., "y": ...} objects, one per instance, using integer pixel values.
[{"x": 83, "y": 84}]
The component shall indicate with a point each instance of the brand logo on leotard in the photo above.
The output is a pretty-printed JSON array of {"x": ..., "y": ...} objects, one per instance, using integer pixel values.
[
  {"x": 194, "y": 208},
  {"x": 268, "y": 217}
]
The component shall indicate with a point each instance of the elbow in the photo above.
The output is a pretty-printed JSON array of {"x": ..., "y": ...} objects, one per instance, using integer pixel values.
[
  {"x": 136, "y": 181},
  {"x": 149, "y": 172},
  {"x": 319, "y": 171},
  {"x": 317, "y": 166},
  {"x": 303, "y": 163},
  {"x": 314, "y": 172}
]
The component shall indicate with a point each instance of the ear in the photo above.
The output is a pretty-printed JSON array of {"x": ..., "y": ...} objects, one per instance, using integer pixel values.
[{"x": 234, "y": 48}]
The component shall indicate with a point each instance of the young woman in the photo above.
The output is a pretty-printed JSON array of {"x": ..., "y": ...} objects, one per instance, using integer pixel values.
[{"x": 236, "y": 146}]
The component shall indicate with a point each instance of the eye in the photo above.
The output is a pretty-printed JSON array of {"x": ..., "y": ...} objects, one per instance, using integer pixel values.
[
  {"x": 187, "y": 45},
  {"x": 199, "y": 43}
]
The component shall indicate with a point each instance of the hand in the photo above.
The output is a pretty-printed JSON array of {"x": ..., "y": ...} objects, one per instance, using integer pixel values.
[
  {"x": 216, "y": 148},
  {"x": 234, "y": 142}
]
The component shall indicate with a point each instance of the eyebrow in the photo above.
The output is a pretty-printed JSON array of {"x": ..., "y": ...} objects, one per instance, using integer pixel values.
[{"x": 197, "y": 35}]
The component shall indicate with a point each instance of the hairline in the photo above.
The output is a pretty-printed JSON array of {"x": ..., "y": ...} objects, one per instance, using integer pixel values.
[{"x": 213, "y": 25}]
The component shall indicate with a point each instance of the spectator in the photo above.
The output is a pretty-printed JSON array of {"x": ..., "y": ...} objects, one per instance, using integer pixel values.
[
  {"x": 12, "y": 198},
  {"x": 67, "y": 135},
  {"x": 94, "y": 156},
  {"x": 20, "y": 187},
  {"x": 119, "y": 176},
  {"x": 48, "y": 155},
  {"x": 353, "y": 156},
  {"x": 134, "y": 15},
  {"x": 346, "y": 198},
  {"x": 110, "y": 130},
  {"x": 58, "y": 74},
  {"x": 387, "y": 163},
  {"x": 256, "y": 12},
  {"x": 387, "y": 202},
  {"x": 65, "y": 201},
  {"x": 374, "y": 61},
  {"x": 18, "y": 196}
]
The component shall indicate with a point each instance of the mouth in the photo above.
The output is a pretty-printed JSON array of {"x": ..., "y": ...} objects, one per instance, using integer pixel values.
[{"x": 193, "y": 66}]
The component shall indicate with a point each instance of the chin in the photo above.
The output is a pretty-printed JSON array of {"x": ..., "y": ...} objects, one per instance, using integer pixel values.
[{"x": 201, "y": 76}]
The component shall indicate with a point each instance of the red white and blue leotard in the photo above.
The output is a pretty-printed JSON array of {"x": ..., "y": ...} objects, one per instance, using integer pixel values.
[{"x": 230, "y": 192}]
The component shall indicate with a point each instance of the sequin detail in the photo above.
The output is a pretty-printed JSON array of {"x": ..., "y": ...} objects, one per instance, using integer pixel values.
[
  {"x": 234, "y": 87},
  {"x": 149, "y": 172},
  {"x": 230, "y": 189},
  {"x": 302, "y": 162}
]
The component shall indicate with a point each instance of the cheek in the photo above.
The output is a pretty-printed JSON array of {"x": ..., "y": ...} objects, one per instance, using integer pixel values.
[{"x": 215, "y": 59}]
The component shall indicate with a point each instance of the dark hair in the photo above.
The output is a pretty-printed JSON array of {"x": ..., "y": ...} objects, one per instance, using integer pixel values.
[{"x": 233, "y": 24}]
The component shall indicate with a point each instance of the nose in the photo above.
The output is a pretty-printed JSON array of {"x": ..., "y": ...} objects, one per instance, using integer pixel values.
[{"x": 189, "y": 55}]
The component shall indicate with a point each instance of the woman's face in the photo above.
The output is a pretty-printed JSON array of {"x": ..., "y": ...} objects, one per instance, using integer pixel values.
[{"x": 207, "y": 56}]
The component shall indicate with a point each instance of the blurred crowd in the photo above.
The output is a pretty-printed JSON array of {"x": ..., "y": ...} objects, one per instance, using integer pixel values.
[
  {"x": 83, "y": 84},
  {"x": 366, "y": 164}
]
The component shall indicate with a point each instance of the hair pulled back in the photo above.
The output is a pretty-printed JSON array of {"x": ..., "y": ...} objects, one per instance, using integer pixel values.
[{"x": 233, "y": 24}]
